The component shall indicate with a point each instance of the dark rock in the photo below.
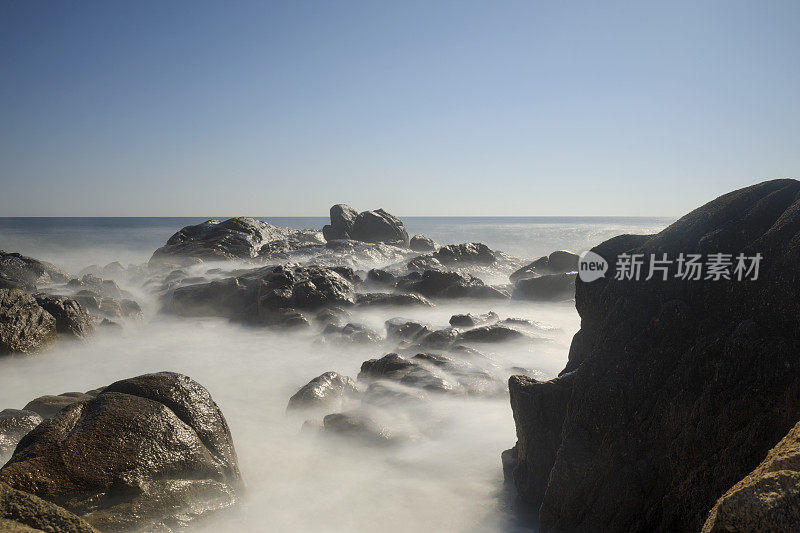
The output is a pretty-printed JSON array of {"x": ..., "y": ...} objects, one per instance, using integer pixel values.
[
  {"x": 14, "y": 424},
  {"x": 768, "y": 498},
  {"x": 236, "y": 238},
  {"x": 173, "y": 457},
  {"x": 491, "y": 333},
  {"x": 437, "y": 284},
  {"x": 387, "y": 394},
  {"x": 358, "y": 427},
  {"x": 439, "y": 339},
  {"x": 391, "y": 300},
  {"x": 381, "y": 277},
  {"x": 50, "y": 405},
  {"x": 401, "y": 329},
  {"x": 469, "y": 320},
  {"x": 679, "y": 387},
  {"x": 390, "y": 366},
  {"x": 473, "y": 253},
  {"x": 421, "y": 243},
  {"x": 21, "y": 512},
  {"x": 25, "y": 327},
  {"x": 351, "y": 333},
  {"x": 326, "y": 391},
  {"x": 379, "y": 227},
  {"x": 71, "y": 317},
  {"x": 343, "y": 218},
  {"x": 558, "y": 262},
  {"x": 548, "y": 288},
  {"x": 20, "y": 272},
  {"x": 332, "y": 315}
]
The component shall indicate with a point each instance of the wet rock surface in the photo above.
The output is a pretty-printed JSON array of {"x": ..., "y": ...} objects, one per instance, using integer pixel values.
[
  {"x": 15, "y": 424},
  {"x": 21, "y": 272},
  {"x": 25, "y": 327},
  {"x": 325, "y": 391},
  {"x": 22, "y": 512},
  {"x": 678, "y": 388},
  {"x": 437, "y": 284},
  {"x": 71, "y": 318},
  {"x": 174, "y": 459}
]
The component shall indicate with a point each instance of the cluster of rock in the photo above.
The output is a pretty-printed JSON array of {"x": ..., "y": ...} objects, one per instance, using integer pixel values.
[
  {"x": 173, "y": 461},
  {"x": 676, "y": 390},
  {"x": 376, "y": 226}
]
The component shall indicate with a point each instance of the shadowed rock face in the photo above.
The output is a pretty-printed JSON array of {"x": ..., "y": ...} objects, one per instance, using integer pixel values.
[
  {"x": 677, "y": 388},
  {"x": 767, "y": 499},
  {"x": 24, "y": 326},
  {"x": 71, "y": 317},
  {"x": 173, "y": 457}
]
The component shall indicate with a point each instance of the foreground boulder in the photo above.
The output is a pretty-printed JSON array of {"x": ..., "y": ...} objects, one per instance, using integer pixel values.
[
  {"x": 240, "y": 238},
  {"x": 25, "y": 327},
  {"x": 173, "y": 458},
  {"x": 21, "y": 512},
  {"x": 368, "y": 226},
  {"x": 677, "y": 389},
  {"x": 768, "y": 498}
]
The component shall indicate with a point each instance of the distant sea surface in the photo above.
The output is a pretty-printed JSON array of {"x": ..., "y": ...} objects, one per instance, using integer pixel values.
[{"x": 73, "y": 243}]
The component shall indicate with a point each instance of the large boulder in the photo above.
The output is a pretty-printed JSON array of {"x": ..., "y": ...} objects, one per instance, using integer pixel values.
[
  {"x": 342, "y": 219},
  {"x": 20, "y": 272},
  {"x": 768, "y": 498},
  {"x": 21, "y": 512},
  {"x": 421, "y": 243},
  {"x": 379, "y": 226},
  {"x": 236, "y": 238},
  {"x": 677, "y": 389},
  {"x": 25, "y": 327},
  {"x": 173, "y": 458}
]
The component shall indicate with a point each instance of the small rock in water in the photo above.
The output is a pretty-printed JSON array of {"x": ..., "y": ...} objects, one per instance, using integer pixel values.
[{"x": 326, "y": 391}]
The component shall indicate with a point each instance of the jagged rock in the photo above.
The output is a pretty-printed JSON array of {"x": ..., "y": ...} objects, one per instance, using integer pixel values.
[
  {"x": 21, "y": 512},
  {"x": 470, "y": 321},
  {"x": 71, "y": 318},
  {"x": 236, "y": 238},
  {"x": 491, "y": 333},
  {"x": 548, "y": 288},
  {"x": 558, "y": 262},
  {"x": 768, "y": 498},
  {"x": 14, "y": 424},
  {"x": 379, "y": 227},
  {"x": 326, "y": 391},
  {"x": 20, "y": 272},
  {"x": 437, "y": 284},
  {"x": 421, "y": 243},
  {"x": 173, "y": 457},
  {"x": 679, "y": 387},
  {"x": 391, "y": 300},
  {"x": 25, "y": 327}
]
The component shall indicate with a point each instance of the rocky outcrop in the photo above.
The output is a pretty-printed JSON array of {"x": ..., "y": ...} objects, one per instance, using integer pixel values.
[
  {"x": 368, "y": 226},
  {"x": 325, "y": 391},
  {"x": 768, "y": 498},
  {"x": 71, "y": 318},
  {"x": 20, "y": 272},
  {"x": 266, "y": 296},
  {"x": 25, "y": 327},
  {"x": 236, "y": 238},
  {"x": 21, "y": 512},
  {"x": 675, "y": 389},
  {"x": 173, "y": 458}
]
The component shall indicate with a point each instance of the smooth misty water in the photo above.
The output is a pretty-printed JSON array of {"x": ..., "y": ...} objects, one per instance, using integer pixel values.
[{"x": 449, "y": 479}]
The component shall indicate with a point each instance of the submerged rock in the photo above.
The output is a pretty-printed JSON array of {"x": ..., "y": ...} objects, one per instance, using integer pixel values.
[
  {"x": 359, "y": 427},
  {"x": 679, "y": 387},
  {"x": 491, "y": 333},
  {"x": 25, "y": 327},
  {"x": 173, "y": 457},
  {"x": 470, "y": 321},
  {"x": 437, "y": 284},
  {"x": 324, "y": 391},
  {"x": 351, "y": 333}
]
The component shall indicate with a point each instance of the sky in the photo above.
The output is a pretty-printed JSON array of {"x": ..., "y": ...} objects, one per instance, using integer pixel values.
[{"x": 424, "y": 108}]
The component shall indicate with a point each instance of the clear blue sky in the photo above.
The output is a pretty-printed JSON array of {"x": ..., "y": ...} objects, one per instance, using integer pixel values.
[{"x": 195, "y": 108}]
